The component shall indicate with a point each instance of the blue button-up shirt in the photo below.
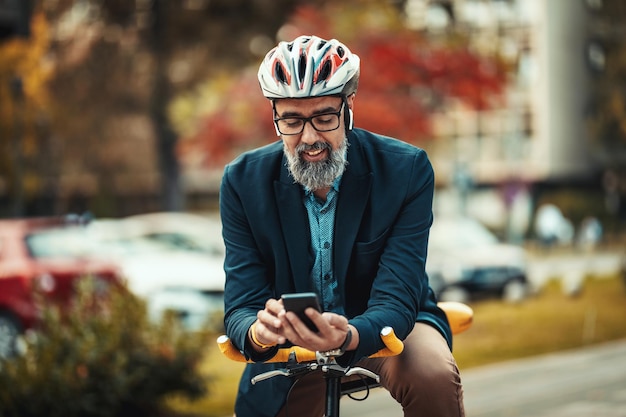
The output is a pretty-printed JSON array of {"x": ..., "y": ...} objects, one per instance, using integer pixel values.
[{"x": 322, "y": 225}]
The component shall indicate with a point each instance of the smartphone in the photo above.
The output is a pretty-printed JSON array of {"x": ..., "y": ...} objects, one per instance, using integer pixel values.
[{"x": 298, "y": 302}]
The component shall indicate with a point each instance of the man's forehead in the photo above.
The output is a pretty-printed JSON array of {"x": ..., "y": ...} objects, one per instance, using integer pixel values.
[{"x": 307, "y": 105}]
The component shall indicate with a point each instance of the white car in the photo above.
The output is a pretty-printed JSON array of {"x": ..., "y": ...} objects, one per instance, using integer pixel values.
[
  {"x": 185, "y": 231},
  {"x": 466, "y": 261},
  {"x": 167, "y": 276}
]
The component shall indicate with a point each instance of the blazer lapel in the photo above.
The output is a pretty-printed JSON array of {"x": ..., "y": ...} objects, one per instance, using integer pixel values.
[
  {"x": 354, "y": 193},
  {"x": 295, "y": 229}
]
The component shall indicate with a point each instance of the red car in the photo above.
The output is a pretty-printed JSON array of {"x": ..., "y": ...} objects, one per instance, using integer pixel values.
[{"x": 30, "y": 259}]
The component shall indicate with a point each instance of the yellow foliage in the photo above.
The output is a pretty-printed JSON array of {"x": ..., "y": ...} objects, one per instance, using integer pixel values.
[
  {"x": 24, "y": 99},
  {"x": 26, "y": 58}
]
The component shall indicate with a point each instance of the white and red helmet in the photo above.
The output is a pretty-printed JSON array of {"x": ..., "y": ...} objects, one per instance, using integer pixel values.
[{"x": 309, "y": 66}]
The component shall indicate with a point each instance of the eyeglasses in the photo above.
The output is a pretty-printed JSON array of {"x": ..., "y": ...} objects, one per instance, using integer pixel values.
[{"x": 324, "y": 122}]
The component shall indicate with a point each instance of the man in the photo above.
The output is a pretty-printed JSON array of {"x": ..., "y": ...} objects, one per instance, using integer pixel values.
[{"x": 341, "y": 212}]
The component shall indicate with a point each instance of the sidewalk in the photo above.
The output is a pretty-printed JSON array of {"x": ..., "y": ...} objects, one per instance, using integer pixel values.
[{"x": 582, "y": 382}]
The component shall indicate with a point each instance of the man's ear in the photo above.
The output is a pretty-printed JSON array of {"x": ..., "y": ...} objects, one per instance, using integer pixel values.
[{"x": 350, "y": 101}]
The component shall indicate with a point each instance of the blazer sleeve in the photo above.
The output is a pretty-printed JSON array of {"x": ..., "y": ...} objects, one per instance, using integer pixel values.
[
  {"x": 399, "y": 291},
  {"x": 246, "y": 289}
]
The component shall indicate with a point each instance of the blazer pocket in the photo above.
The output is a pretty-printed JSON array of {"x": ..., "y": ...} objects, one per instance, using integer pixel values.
[{"x": 371, "y": 246}]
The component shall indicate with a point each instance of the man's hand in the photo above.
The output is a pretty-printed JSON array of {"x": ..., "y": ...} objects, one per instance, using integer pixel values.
[
  {"x": 274, "y": 326},
  {"x": 266, "y": 331},
  {"x": 332, "y": 330}
]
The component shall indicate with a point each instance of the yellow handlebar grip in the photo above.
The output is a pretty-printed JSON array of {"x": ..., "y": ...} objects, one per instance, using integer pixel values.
[
  {"x": 460, "y": 316},
  {"x": 394, "y": 346},
  {"x": 229, "y": 350}
]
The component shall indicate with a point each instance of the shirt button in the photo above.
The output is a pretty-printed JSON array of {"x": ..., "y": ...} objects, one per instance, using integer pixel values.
[
  {"x": 326, "y": 277},
  {"x": 326, "y": 245}
]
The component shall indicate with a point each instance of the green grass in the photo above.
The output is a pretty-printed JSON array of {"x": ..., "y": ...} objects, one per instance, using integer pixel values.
[{"x": 548, "y": 322}]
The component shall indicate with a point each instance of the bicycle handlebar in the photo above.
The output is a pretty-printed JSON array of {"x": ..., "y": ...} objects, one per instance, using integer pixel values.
[
  {"x": 459, "y": 315},
  {"x": 393, "y": 346}
]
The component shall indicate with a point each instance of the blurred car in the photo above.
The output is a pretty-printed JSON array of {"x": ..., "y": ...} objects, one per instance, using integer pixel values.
[
  {"x": 467, "y": 262},
  {"x": 29, "y": 262},
  {"x": 172, "y": 260},
  {"x": 185, "y": 231}
]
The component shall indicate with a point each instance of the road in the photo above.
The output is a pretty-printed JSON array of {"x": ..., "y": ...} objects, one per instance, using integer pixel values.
[{"x": 588, "y": 382}]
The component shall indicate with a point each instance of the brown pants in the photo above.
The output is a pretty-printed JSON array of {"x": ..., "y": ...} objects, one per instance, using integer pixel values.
[{"x": 424, "y": 379}]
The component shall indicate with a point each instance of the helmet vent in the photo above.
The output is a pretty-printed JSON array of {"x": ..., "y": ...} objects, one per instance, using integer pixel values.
[
  {"x": 340, "y": 51},
  {"x": 320, "y": 45},
  {"x": 324, "y": 71},
  {"x": 302, "y": 66},
  {"x": 280, "y": 73}
]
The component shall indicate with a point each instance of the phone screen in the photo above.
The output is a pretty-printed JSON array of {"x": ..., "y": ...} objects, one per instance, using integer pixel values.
[{"x": 298, "y": 302}]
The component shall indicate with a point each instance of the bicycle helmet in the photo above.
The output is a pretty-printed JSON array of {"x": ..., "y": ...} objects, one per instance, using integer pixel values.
[{"x": 309, "y": 66}]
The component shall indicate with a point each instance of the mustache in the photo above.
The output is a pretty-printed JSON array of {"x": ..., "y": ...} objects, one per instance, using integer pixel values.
[
  {"x": 317, "y": 146},
  {"x": 316, "y": 175}
]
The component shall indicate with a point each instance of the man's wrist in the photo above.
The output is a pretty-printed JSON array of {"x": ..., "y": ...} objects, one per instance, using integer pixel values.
[
  {"x": 256, "y": 341},
  {"x": 344, "y": 346}
]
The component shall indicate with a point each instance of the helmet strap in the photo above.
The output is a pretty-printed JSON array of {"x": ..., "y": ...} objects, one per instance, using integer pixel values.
[{"x": 274, "y": 116}]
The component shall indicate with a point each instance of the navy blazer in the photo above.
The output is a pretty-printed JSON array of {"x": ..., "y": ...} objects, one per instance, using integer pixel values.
[{"x": 384, "y": 213}]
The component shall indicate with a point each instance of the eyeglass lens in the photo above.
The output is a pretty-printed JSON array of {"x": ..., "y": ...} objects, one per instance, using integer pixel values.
[{"x": 321, "y": 123}]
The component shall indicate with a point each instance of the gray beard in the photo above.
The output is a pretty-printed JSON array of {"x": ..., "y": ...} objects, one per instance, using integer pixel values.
[{"x": 317, "y": 175}]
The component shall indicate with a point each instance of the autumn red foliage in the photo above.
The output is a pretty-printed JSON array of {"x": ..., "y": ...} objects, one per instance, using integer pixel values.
[{"x": 404, "y": 79}]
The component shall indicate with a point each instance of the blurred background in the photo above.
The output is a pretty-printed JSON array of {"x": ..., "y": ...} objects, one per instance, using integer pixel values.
[
  {"x": 117, "y": 118},
  {"x": 121, "y": 107}
]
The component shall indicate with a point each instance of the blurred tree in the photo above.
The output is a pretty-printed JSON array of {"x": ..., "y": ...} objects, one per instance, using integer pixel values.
[
  {"x": 114, "y": 88},
  {"x": 404, "y": 77},
  {"x": 24, "y": 75},
  {"x": 114, "y": 69},
  {"x": 15, "y": 18}
]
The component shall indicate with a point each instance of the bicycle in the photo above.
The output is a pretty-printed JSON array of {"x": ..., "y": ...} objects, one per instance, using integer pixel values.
[{"x": 300, "y": 361}]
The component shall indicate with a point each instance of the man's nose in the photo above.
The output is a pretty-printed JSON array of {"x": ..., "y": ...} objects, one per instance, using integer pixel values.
[{"x": 309, "y": 134}]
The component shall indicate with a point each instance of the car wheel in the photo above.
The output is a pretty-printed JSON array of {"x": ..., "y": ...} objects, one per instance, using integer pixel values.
[
  {"x": 514, "y": 291},
  {"x": 454, "y": 293},
  {"x": 9, "y": 332}
]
